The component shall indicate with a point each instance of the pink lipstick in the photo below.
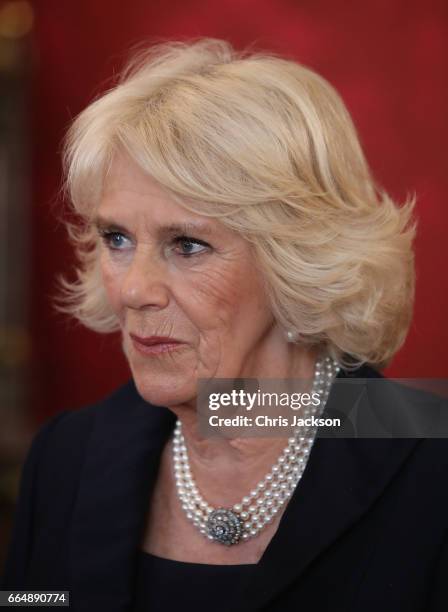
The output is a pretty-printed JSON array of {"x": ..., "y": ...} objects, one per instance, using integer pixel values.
[{"x": 155, "y": 345}]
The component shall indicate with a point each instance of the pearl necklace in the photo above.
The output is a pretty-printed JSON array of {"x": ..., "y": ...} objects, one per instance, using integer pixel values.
[{"x": 247, "y": 518}]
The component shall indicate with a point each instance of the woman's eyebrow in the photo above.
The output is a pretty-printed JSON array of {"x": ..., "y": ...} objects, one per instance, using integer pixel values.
[
  {"x": 185, "y": 228},
  {"x": 101, "y": 222}
]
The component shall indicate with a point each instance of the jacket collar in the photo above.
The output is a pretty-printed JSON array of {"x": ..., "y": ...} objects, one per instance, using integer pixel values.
[
  {"x": 343, "y": 476},
  {"x": 122, "y": 460}
]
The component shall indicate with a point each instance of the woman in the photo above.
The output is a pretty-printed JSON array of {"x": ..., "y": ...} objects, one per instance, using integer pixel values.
[{"x": 230, "y": 229}]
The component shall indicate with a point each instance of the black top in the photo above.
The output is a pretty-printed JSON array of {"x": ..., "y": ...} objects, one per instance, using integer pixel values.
[
  {"x": 164, "y": 585},
  {"x": 366, "y": 528}
]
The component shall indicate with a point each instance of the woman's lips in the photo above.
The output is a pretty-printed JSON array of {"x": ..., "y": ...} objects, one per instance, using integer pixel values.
[{"x": 154, "y": 345}]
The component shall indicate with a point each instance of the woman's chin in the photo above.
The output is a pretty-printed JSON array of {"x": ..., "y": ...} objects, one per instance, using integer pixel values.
[{"x": 167, "y": 393}]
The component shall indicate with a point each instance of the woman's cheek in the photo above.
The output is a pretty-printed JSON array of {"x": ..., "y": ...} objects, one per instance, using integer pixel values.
[
  {"x": 217, "y": 286},
  {"x": 112, "y": 285}
]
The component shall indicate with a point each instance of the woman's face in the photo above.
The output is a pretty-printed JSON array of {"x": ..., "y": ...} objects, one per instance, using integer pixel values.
[{"x": 173, "y": 273}]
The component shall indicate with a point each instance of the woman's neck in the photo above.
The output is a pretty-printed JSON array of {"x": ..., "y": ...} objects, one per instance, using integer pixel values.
[{"x": 227, "y": 469}]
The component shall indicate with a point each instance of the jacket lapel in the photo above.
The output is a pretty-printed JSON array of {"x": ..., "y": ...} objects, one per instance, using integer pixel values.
[
  {"x": 342, "y": 479},
  {"x": 119, "y": 473}
]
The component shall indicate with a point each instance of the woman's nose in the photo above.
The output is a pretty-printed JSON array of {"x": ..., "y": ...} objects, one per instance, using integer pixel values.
[{"x": 144, "y": 284}]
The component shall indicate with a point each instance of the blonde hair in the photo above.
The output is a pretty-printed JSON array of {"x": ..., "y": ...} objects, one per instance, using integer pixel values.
[{"x": 267, "y": 146}]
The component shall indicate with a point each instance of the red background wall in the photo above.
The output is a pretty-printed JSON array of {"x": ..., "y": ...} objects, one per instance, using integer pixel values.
[{"x": 387, "y": 58}]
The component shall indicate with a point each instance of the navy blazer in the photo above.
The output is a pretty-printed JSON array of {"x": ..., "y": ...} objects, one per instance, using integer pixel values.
[{"x": 365, "y": 530}]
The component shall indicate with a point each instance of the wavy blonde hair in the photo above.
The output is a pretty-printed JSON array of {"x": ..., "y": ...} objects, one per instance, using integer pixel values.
[{"x": 267, "y": 146}]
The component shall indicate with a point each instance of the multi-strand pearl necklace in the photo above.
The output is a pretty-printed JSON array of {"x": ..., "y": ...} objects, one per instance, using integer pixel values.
[{"x": 248, "y": 517}]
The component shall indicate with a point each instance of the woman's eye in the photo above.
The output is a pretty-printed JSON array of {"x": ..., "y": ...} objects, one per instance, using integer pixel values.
[
  {"x": 113, "y": 240},
  {"x": 183, "y": 245},
  {"x": 186, "y": 246}
]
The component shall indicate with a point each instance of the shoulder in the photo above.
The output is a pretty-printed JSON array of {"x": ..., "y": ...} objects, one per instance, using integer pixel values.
[
  {"x": 64, "y": 436},
  {"x": 76, "y": 423},
  {"x": 50, "y": 477},
  {"x": 54, "y": 465},
  {"x": 375, "y": 406}
]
